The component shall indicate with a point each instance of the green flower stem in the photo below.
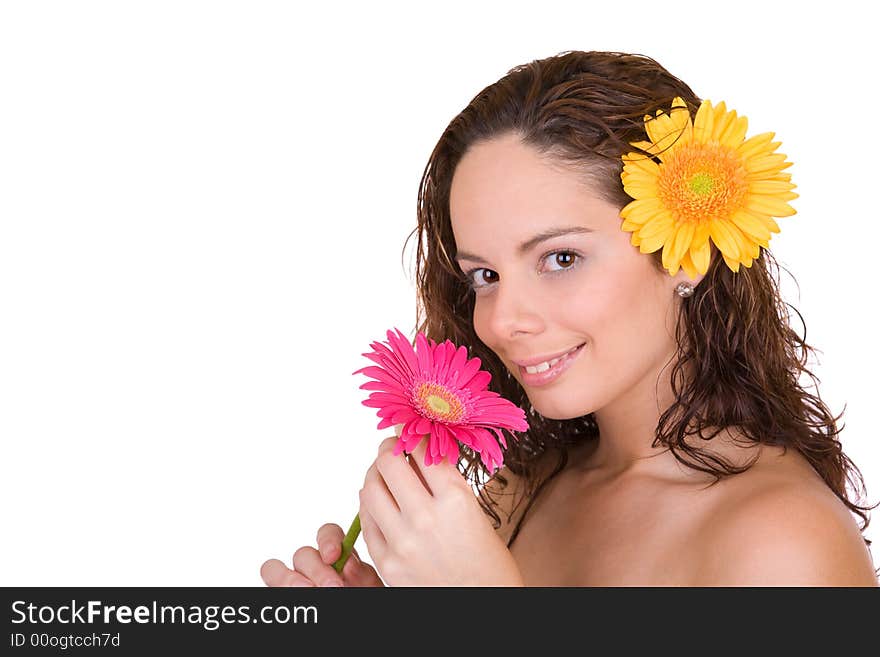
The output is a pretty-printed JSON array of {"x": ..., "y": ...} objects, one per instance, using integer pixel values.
[{"x": 348, "y": 543}]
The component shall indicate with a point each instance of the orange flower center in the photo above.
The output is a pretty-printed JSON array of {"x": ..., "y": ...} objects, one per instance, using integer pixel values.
[
  {"x": 437, "y": 402},
  {"x": 702, "y": 181}
]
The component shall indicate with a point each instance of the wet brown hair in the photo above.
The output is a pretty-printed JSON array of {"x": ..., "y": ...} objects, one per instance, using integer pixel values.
[{"x": 744, "y": 361}]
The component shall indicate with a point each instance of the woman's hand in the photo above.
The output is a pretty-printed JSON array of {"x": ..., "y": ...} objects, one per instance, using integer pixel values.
[
  {"x": 313, "y": 567},
  {"x": 424, "y": 527}
]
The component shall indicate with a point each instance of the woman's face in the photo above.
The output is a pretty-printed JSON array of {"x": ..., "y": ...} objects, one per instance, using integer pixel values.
[{"x": 590, "y": 287}]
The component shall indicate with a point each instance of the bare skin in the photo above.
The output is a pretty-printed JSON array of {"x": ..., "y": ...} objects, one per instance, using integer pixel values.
[{"x": 657, "y": 524}]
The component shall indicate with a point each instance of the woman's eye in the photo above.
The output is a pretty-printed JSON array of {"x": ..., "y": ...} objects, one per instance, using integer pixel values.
[
  {"x": 565, "y": 260},
  {"x": 563, "y": 256},
  {"x": 471, "y": 279}
]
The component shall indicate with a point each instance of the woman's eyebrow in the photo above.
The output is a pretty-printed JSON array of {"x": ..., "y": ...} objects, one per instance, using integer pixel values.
[{"x": 530, "y": 243}]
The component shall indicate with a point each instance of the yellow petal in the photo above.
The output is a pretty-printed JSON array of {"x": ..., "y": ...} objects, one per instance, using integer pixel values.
[
  {"x": 638, "y": 162},
  {"x": 688, "y": 266},
  {"x": 663, "y": 132},
  {"x": 731, "y": 262},
  {"x": 770, "y": 205},
  {"x": 681, "y": 117},
  {"x": 651, "y": 244},
  {"x": 681, "y": 241},
  {"x": 770, "y": 163},
  {"x": 744, "y": 242},
  {"x": 661, "y": 224},
  {"x": 735, "y": 133},
  {"x": 770, "y": 186},
  {"x": 756, "y": 251},
  {"x": 766, "y": 174},
  {"x": 753, "y": 226},
  {"x": 659, "y": 127},
  {"x": 641, "y": 210},
  {"x": 721, "y": 120},
  {"x": 703, "y": 122},
  {"x": 645, "y": 146},
  {"x": 724, "y": 239},
  {"x": 755, "y": 145},
  {"x": 640, "y": 187},
  {"x": 700, "y": 255}
]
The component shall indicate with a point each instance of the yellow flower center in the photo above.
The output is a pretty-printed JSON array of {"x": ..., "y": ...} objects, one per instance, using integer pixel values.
[
  {"x": 700, "y": 182},
  {"x": 437, "y": 402}
]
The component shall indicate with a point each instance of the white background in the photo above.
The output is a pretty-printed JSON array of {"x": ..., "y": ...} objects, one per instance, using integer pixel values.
[{"x": 203, "y": 207}]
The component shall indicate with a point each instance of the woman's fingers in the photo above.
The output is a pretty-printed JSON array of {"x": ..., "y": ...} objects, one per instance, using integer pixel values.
[
  {"x": 357, "y": 573},
  {"x": 275, "y": 573},
  {"x": 314, "y": 567},
  {"x": 330, "y": 538},
  {"x": 307, "y": 560}
]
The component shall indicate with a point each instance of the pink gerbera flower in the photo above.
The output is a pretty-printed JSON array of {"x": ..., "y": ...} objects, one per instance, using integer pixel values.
[{"x": 436, "y": 391}]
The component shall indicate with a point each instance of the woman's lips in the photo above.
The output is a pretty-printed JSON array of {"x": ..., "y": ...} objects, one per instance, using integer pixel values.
[{"x": 545, "y": 377}]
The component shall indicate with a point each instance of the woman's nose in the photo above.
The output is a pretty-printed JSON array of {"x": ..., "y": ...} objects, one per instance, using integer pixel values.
[{"x": 515, "y": 310}]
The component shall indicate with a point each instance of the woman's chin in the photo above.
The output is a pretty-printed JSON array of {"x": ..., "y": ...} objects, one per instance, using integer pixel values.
[{"x": 554, "y": 412}]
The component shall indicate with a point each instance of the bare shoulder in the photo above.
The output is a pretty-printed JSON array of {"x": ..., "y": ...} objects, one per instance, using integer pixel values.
[{"x": 780, "y": 525}]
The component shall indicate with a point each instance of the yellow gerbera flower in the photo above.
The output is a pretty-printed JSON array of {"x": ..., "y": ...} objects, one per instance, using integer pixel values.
[{"x": 711, "y": 183}]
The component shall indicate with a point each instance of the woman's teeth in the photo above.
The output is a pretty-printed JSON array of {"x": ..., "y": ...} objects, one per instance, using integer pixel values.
[{"x": 546, "y": 365}]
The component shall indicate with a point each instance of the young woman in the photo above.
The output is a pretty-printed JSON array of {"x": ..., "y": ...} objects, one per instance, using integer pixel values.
[{"x": 671, "y": 441}]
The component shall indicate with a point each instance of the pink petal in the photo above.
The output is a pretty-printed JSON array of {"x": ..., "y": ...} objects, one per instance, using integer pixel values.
[
  {"x": 424, "y": 353},
  {"x": 379, "y": 385},
  {"x": 405, "y": 349},
  {"x": 390, "y": 361},
  {"x": 466, "y": 436},
  {"x": 467, "y": 373},
  {"x": 480, "y": 380},
  {"x": 403, "y": 415},
  {"x": 448, "y": 356},
  {"x": 439, "y": 360},
  {"x": 387, "y": 422},
  {"x": 436, "y": 440},
  {"x": 389, "y": 411},
  {"x": 458, "y": 362},
  {"x": 452, "y": 449},
  {"x": 424, "y": 426},
  {"x": 372, "y": 403},
  {"x": 379, "y": 373},
  {"x": 494, "y": 453},
  {"x": 482, "y": 441},
  {"x": 390, "y": 397},
  {"x": 411, "y": 442}
]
